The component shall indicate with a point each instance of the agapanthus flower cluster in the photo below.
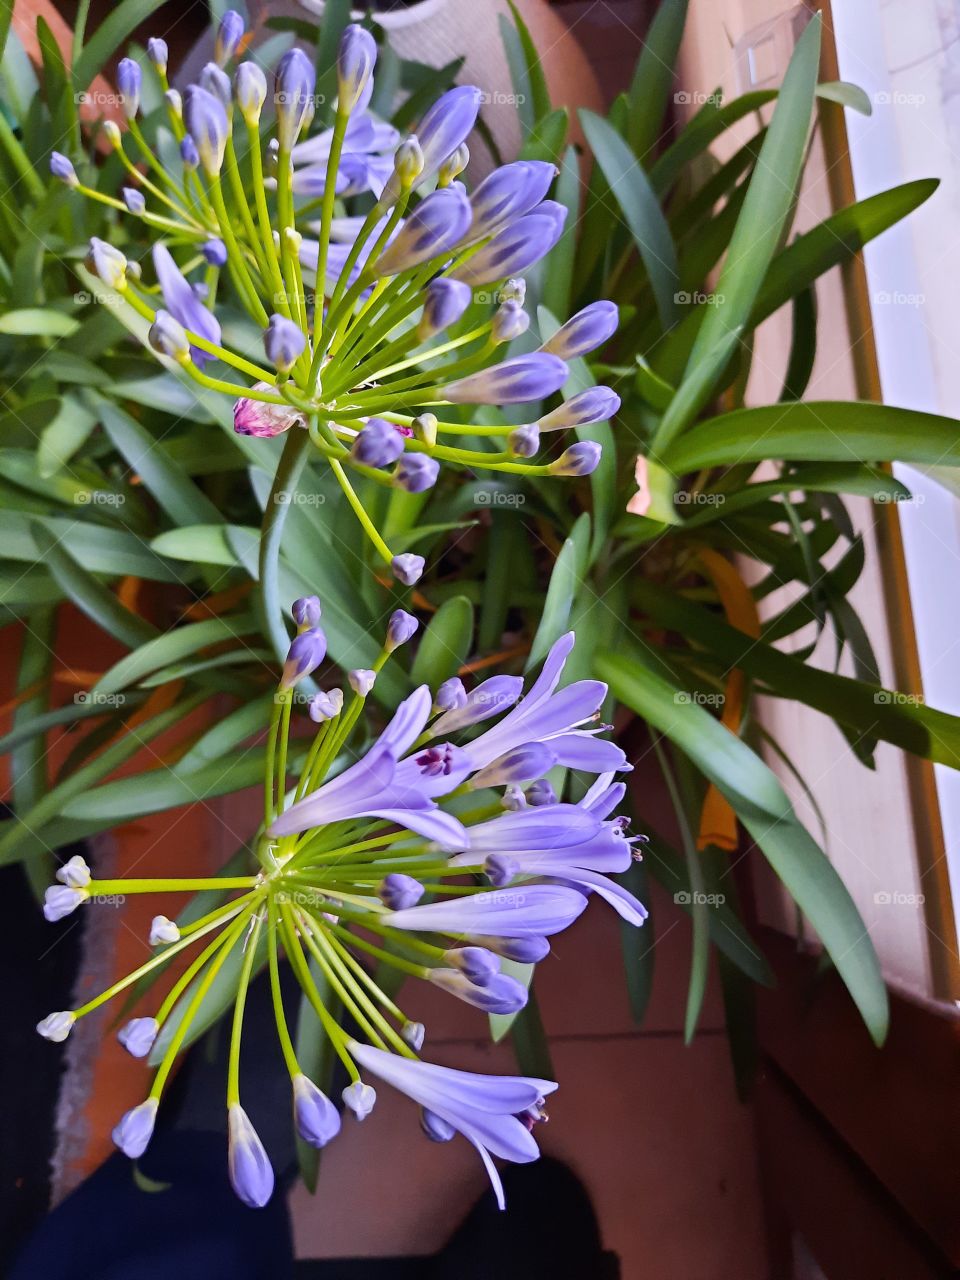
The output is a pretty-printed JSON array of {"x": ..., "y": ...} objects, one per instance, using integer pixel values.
[
  {"x": 372, "y": 324},
  {"x": 440, "y": 851}
]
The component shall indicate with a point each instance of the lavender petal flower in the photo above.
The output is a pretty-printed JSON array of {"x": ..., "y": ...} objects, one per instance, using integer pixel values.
[
  {"x": 516, "y": 247},
  {"x": 206, "y": 119},
  {"x": 378, "y": 444},
  {"x": 183, "y": 304},
  {"x": 581, "y": 459},
  {"x": 138, "y": 1035},
  {"x": 490, "y": 698},
  {"x": 261, "y": 418},
  {"x": 533, "y": 909},
  {"x": 507, "y": 194},
  {"x": 229, "y": 35},
  {"x": 513, "y": 381},
  {"x": 445, "y": 302}
]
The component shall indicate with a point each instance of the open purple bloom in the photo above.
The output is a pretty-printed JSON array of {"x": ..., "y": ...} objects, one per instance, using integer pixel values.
[
  {"x": 534, "y": 909},
  {"x": 483, "y": 1108}
]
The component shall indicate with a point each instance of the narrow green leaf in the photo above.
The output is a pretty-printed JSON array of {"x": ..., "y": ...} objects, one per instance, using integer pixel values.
[
  {"x": 173, "y": 645},
  {"x": 649, "y": 92},
  {"x": 564, "y": 584},
  {"x": 540, "y": 94},
  {"x": 38, "y": 322},
  {"x": 445, "y": 644}
]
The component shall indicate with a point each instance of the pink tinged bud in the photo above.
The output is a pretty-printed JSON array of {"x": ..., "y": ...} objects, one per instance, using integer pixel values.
[
  {"x": 524, "y": 441},
  {"x": 132, "y": 1135},
  {"x": 501, "y": 869},
  {"x": 229, "y": 35},
  {"x": 477, "y": 963},
  {"x": 163, "y": 931},
  {"x": 63, "y": 169},
  {"x": 445, "y": 302},
  {"x": 378, "y": 444},
  {"x": 359, "y": 1098},
  {"x": 435, "y": 1127},
  {"x": 325, "y": 705},
  {"x": 293, "y": 95},
  {"x": 513, "y": 381},
  {"x": 584, "y": 332},
  {"x": 158, "y": 54},
  {"x": 129, "y": 81},
  {"x": 595, "y": 404},
  {"x": 284, "y": 342},
  {"x": 413, "y": 1034},
  {"x": 307, "y": 650},
  {"x": 580, "y": 459},
  {"x": 250, "y": 91},
  {"x": 640, "y": 503},
  {"x": 75, "y": 873},
  {"x": 138, "y": 1035},
  {"x": 416, "y": 472},
  {"x": 134, "y": 200},
  {"x": 450, "y": 695},
  {"x": 57, "y": 1026},
  {"x": 361, "y": 681},
  {"x": 401, "y": 628},
  {"x": 260, "y": 418},
  {"x": 356, "y": 57},
  {"x": 61, "y": 900},
  {"x": 316, "y": 1118},
  {"x": 251, "y": 1174},
  {"x": 434, "y": 227},
  {"x": 407, "y": 568}
]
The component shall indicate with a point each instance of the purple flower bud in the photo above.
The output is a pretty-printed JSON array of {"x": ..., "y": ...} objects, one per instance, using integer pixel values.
[
  {"x": 62, "y": 169},
  {"x": 502, "y": 994},
  {"x": 60, "y": 900},
  {"x": 360, "y": 1098},
  {"x": 74, "y": 872},
  {"x": 355, "y": 61},
  {"x": 57, "y": 1026},
  {"x": 595, "y": 404},
  {"x": 138, "y": 1035},
  {"x": 108, "y": 263},
  {"x": 435, "y": 1127},
  {"x": 378, "y": 444},
  {"x": 229, "y": 35},
  {"x": 401, "y": 628},
  {"x": 587, "y": 330},
  {"x": 189, "y": 153},
  {"x": 316, "y": 1118},
  {"x": 284, "y": 342},
  {"x": 413, "y": 1034},
  {"x": 168, "y": 337},
  {"x": 293, "y": 95},
  {"x": 207, "y": 124},
  {"x": 416, "y": 472},
  {"x": 522, "y": 764},
  {"x": 500, "y": 869},
  {"x": 407, "y": 568},
  {"x": 541, "y": 793},
  {"x": 437, "y": 223},
  {"x": 217, "y": 83},
  {"x": 134, "y": 200},
  {"x": 580, "y": 459},
  {"x": 135, "y": 1129},
  {"x": 446, "y": 124},
  {"x": 250, "y": 91},
  {"x": 129, "y": 82},
  {"x": 361, "y": 681},
  {"x": 307, "y": 650},
  {"x": 325, "y": 705},
  {"x": 513, "y": 381},
  {"x": 251, "y": 1174},
  {"x": 450, "y": 695},
  {"x": 507, "y": 194},
  {"x": 399, "y": 892},
  {"x": 158, "y": 54},
  {"x": 524, "y": 441},
  {"x": 444, "y": 304},
  {"x": 523, "y": 950},
  {"x": 162, "y": 931},
  {"x": 306, "y": 612},
  {"x": 513, "y": 800},
  {"x": 215, "y": 252},
  {"x": 477, "y": 963},
  {"x": 509, "y": 322},
  {"x": 515, "y": 247}
]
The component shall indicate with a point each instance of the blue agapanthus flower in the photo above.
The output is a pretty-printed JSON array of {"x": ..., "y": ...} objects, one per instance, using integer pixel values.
[{"x": 439, "y": 852}]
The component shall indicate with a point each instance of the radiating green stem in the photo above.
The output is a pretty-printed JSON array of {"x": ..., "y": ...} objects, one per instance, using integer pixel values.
[{"x": 233, "y": 1068}]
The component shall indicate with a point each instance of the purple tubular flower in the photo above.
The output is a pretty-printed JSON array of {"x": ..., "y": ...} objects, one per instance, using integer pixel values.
[
  {"x": 483, "y": 1108},
  {"x": 129, "y": 83},
  {"x": 307, "y": 650},
  {"x": 407, "y": 568},
  {"x": 229, "y": 35},
  {"x": 355, "y": 61},
  {"x": 516, "y": 247},
  {"x": 446, "y": 124},
  {"x": 596, "y": 404},
  {"x": 499, "y": 994},
  {"x": 158, "y": 54},
  {"x": 316, "y": 1118},
  {"x": 524, "y": 441},
  {"x": 260, "y": 418},
  {"x": 520, "y": 764},
  {"x": 479, "y": 964},
  {"x": 581, "y": 459},
  {"x": 63, "y": 169},
  {"x": 206, "y": 119},
  {"x": 215, "y": 252},
  {"x": 434, "y": 227},
  {"x": 444, "y": 304},
  {"x": 283, "y": 342},
  {"x": 581, "y": 749},
  {"x": 490, "y": 698},
  {"x": 138, "y": 1035},
  {"x": 587, "y": 330},
  {"x": 513, "y": 381},
  {"x": 251, "y": 1174},
  {"x": 306, "y": 612},
  {"x": 378, "y": 444},
  {"x": 507, "y": 194},
  {"x": 416, "y": 472},
  {"x": 217, "y": 83},
  {"x": 293, "y": 95},
  {"x": 401, "y": 628},
  {"x": 532, "y": 909},
  {"x": 398, "y": 891},
  {"x": 135, "y": 1129},
  {"x": 604, "y": 796},
  {"x": 450, "y": 695},
  {"x": 183, "y": 304},
  {"x": 134, "y": 200}
]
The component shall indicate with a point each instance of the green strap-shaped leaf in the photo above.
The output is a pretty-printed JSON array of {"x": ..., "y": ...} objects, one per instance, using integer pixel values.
[
  {"x": 540, "y": 94},
  {"x": 172, "y": 646},
  {"x": 766, "y": 812},
  {"x": 649, "y": 92},
  {"x": 564, "y": 583},
  {"x": 445, "y": 644},
  {"x": 120, "y": 22}
]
